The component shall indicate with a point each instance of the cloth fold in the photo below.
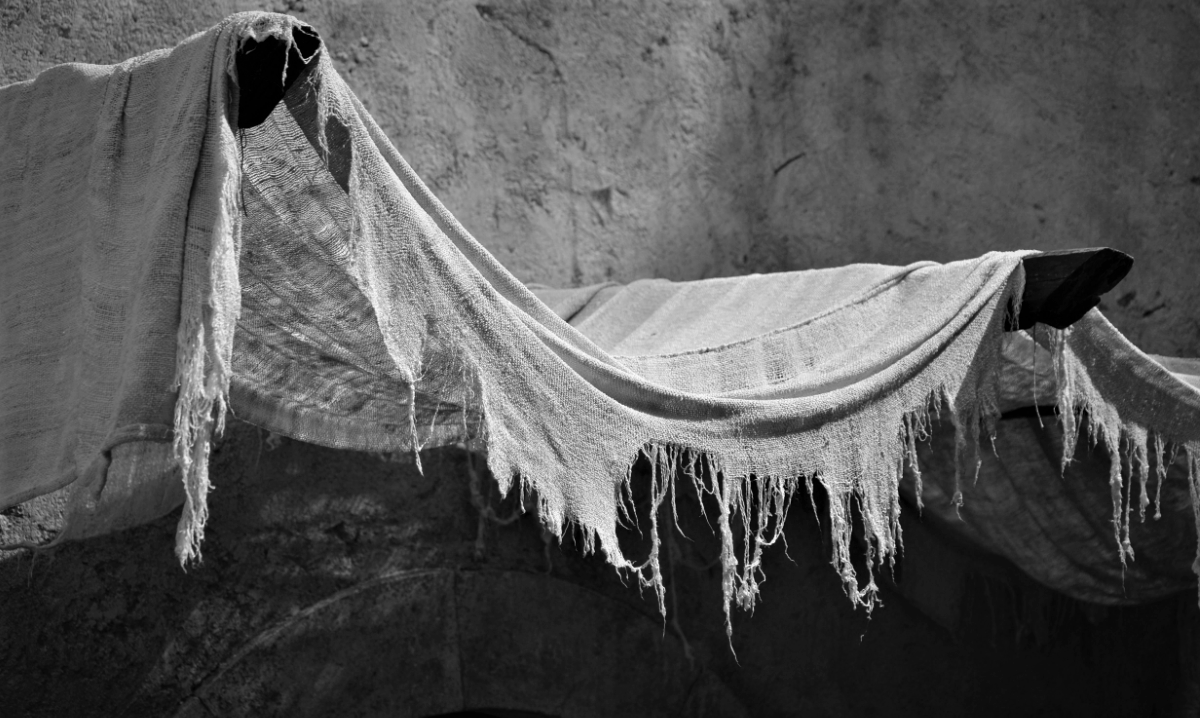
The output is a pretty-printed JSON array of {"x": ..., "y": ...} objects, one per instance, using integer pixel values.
[{"x": 1055, "y": 519}]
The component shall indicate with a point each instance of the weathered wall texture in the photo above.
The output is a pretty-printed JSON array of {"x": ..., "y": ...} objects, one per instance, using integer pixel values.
[{"x": 616, "y": 140}]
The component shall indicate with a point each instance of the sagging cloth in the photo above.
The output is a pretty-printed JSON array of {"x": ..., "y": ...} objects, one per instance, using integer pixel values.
[{"x": 161, "y": 267}]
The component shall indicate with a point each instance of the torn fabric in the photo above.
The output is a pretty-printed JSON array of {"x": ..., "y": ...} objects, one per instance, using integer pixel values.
[
  {"x": 162, "y": 266},
  {"x": 1045, "y": 497}
]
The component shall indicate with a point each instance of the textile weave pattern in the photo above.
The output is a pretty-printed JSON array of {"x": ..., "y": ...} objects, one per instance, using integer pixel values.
[{"x": 300, "y": 274}]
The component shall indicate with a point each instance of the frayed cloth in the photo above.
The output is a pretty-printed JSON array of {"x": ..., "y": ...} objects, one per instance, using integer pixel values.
[
  {"x": 1101, "y": 471},
  {"x": 1137, "y": 409},
  {"x": 119, "y": 188},
  {"x": 301, "y": 274}
]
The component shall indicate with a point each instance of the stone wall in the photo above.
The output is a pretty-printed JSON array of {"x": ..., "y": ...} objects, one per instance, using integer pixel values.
[{"x": 583, "y": 142}]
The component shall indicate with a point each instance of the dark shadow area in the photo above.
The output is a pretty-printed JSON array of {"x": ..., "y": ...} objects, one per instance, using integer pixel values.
[{"x": 267, "y": 69}]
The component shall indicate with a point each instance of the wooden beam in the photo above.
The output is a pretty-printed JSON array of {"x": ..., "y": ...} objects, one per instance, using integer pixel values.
[
  {"x": 262, "y": 79},
  {"x": 1061, "y": 286}
]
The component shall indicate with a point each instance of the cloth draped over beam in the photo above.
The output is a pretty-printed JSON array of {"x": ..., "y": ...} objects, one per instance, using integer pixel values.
[
  {"x": 1068, "y": 499},
  {"x": 1058, "y": 507},
  {"x": 159, "y": 266}
]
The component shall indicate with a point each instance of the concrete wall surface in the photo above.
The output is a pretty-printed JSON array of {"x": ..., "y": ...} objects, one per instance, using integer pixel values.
[{"x": 584, "y": 141}]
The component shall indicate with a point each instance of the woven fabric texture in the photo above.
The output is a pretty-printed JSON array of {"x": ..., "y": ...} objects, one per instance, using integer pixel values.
[
  {"x": 1070, "y": 501},
  {"x": 160, "y": 266}
]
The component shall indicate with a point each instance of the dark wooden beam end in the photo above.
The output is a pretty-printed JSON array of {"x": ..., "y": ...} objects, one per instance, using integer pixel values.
[
  {"x": 1061, "y": 286},
  {"x": 260, "y": 69}
]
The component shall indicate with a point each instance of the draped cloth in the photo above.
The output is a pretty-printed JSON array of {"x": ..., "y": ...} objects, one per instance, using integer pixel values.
[
  {"x": 1100, "y": 501},
  {"x": 1058, "y": 495},
  {"x": 160, "y": 267}
]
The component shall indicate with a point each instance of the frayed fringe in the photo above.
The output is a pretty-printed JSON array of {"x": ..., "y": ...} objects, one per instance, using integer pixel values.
[
  {"x": 867, "y": 476},
  {"x": 762, "y": 504},
  {"x": 862, "y": 478},
  {"x": 209, "y": 311},
  {"x": 193, "y": 430},
  {"x": 212, "y": 298},
  {"x": 202, "y": 376},
  {"x": 1127, "y": 444},
  {"x": 1131, "y": 447}
]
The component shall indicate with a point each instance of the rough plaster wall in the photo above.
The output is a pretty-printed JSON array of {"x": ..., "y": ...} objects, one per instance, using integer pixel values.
[{"x": 615, "y": 140}]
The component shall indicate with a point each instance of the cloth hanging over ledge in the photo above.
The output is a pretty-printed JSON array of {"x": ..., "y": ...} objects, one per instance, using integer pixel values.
[
  {"x": 159, "y": 266},
  {"x": 1117, "y": 524},
  {"x": 1051, "y": 504}
]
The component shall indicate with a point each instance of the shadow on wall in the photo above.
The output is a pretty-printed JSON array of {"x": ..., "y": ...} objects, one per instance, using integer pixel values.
[
  {"x": 336, "y": 578},
  {"x": 417, "y": 642}
]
